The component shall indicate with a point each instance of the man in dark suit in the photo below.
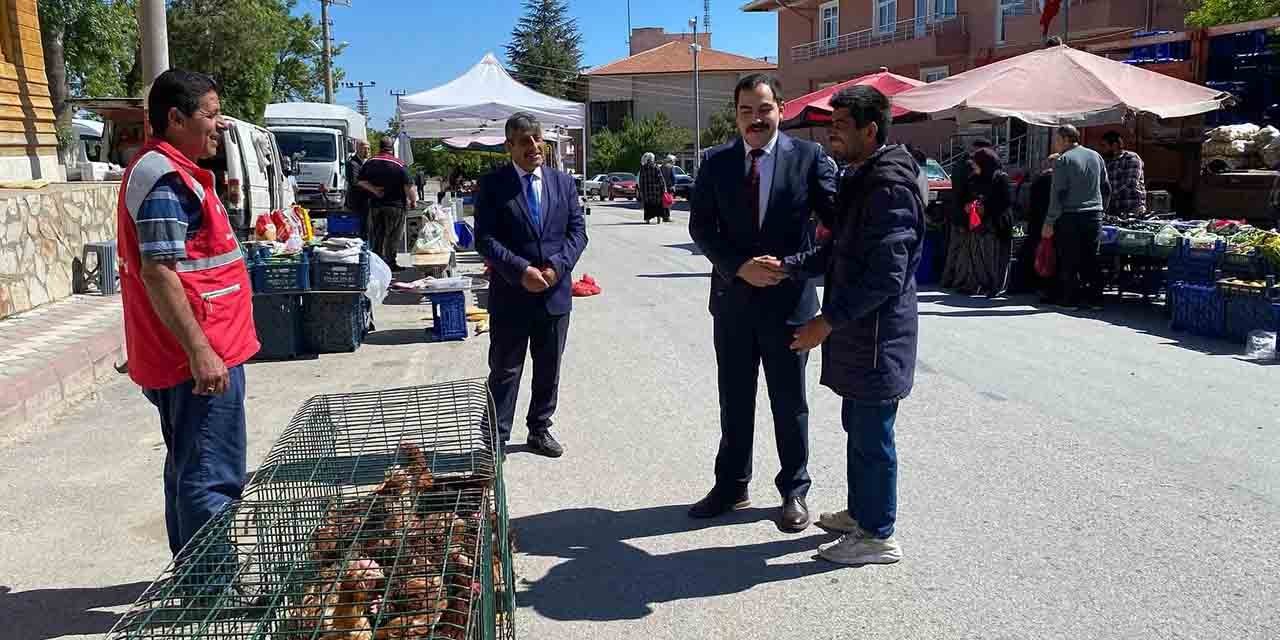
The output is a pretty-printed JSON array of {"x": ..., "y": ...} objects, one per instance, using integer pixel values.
[
  {"x": 530, "y": 229},
  {"x": 755, "y": 198}
]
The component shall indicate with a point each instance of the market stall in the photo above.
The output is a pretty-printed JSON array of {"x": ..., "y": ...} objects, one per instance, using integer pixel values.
[{"x": 814, "y": 109}]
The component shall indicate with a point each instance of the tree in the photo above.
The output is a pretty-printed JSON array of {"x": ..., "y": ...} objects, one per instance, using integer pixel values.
[
  {"x": 621, "y": 150},
  {"x": 432, "y": 159},
  {"x": 88, "y": 49},
  {"x": 545, "y": 51},
  {"x": 722, "y": 127},
  {"x": 1210, "y": 13},
  {"x": 299, "y": 70}
]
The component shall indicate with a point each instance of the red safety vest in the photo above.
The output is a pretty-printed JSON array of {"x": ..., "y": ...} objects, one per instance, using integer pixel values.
[{"x": 213, "y": 275}]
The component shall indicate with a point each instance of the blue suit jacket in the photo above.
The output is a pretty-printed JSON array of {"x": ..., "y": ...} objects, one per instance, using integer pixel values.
[
  {"x": 507, "y": 238},
  {"x": 804, "y": 186}
]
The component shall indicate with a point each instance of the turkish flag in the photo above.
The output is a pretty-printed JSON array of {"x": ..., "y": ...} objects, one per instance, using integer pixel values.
[{"x": 1047, "y": 15}]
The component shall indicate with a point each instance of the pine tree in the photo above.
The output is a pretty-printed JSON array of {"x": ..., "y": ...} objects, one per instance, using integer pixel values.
[{"x": 545, "y": 51}]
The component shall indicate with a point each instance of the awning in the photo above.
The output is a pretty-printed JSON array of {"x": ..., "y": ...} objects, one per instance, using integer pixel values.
[
  {"x": 1060, "y": 85},
  {"x": 815, "y": 108}
]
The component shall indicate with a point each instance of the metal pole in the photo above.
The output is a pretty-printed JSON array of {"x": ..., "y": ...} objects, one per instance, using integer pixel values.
[
  {"x": 697, "y": 101},
  {"x": 328, "y": 51},
  {"x": 1066, "y": 21},
  {"x": 155, "y": 39}
]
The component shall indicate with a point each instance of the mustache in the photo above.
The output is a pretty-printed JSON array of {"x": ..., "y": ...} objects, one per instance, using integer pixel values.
[{"x": 758, "y": 126}]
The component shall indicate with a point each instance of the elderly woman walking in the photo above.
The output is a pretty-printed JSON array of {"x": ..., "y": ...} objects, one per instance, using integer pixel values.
[{"x": 652, "y": 189}]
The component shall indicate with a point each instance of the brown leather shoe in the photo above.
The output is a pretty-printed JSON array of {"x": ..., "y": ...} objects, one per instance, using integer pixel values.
[
  {"x": 717, "y": 504},
  {"x": 795, "y": 515}
]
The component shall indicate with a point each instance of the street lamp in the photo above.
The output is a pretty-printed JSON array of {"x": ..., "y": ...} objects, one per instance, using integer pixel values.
[{"x": 697, "y": 97}]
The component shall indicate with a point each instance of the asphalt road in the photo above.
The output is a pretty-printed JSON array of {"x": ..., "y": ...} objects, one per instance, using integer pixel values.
[{"x": 1084, "y": 476}]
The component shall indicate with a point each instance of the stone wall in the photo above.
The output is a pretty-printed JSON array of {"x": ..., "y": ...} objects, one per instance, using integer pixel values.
[{"x": 41, "y": 234}]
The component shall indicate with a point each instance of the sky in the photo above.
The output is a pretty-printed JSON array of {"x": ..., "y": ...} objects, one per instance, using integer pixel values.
[{"x": 414, "y": 45}]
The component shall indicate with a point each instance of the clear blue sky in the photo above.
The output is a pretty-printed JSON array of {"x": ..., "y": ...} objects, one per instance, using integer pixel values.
[{"x": 419, "y": 44}]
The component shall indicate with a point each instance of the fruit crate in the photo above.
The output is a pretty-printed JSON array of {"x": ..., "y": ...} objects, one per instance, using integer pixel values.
[
  {"x": 1248, "y": 264},
  {"x": 449, "y": 316},
  {"x": 405, "y": 558},
  {"x": 1134, "y": 243},
  {"x": 277, "y": 317},
  {"x": 280, "y": 274},
  {"x": 1197, "y": 309},
  {"x": 334, "y": 322},
  {"x": 341, "y": 276},
  {"x": 1195, "y": 266}
]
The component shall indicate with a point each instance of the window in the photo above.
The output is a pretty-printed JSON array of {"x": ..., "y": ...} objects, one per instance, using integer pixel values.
[
  {"x": 944, "y": 8},
  {"x": 1006, "y": 9},
  {"x": 829, "y": 26},
  {"x": 886, "y": 16},
  {"x": 934, "y": 74}
]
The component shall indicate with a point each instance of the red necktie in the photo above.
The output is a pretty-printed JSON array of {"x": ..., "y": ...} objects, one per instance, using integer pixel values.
[{"x": 752, "y": 185}]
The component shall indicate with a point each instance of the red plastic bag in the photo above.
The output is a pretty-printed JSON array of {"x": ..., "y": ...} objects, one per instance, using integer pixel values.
[
  {"x": 1046, "y": 258},
  {"x": 975, "y": 211},
  {"x": 585, "y": 287},
  {"x": 667, "y": 200}
]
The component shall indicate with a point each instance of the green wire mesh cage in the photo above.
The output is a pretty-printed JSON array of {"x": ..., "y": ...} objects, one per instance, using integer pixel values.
[{"x": 377, "y": 515}]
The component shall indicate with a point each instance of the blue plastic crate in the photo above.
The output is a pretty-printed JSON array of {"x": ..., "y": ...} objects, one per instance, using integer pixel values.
[
  {"x": 466, "y": 239},
  {"x": 278, "y": 320},
  {"x": 932, "y": 255},
  {"x": 1197, "y": 309},
  {"x": 1247, "y": 265},
  {"x": 1249, "y": 313},
  {"x": 344, "y": 224},
  {"x": 279, "y": 275},
  {"x": 334, "y": 322},
  {"x": 340, "y": 276},
  {"x": 449, "y": 313},
  {"x": 1195, "y": 266}
]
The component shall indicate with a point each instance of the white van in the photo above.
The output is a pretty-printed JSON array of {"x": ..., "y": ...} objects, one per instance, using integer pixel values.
[{"x": 252, "y": 176}]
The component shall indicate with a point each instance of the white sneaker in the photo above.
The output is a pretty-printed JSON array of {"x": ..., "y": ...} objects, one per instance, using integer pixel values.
[
  {"x": 858, "y": 548},
  {"x": 839, "y": 522}
]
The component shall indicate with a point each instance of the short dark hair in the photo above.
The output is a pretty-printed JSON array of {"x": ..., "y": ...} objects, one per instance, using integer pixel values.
[
  {"x": 748, "y": 83},
  {"x": 1112, "y": 137},
  {"x": 522, "y": 122},
  {"x": 1053, "y": 41},
  {"x": 387, "y": 143},
  {"x": 176, "y": 88},
  {"x": 1069, "y": 133},
  {"x": 919, "y": 155},
  {"x": 981, "y": 143},
  {"x": 866, "y": 105}
]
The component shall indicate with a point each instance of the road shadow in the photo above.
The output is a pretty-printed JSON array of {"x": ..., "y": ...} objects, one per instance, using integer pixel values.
[
  {"x": 622, "y": 224},
  {"x": 605, "y": 578},
  {"x": 396, "y": 337},
  {"x": 691, "y": 247},
  {"x": 663, "y": 276},
  {"x": 42, "y": 614}
]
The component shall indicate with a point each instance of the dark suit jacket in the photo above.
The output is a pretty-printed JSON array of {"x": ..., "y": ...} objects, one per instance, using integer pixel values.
[
  {"x": 506, "y": 237},
  {"x": 803, "y": 190}
]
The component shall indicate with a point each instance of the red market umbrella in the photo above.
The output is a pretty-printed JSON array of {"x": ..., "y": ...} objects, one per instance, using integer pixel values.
[{"x": 815, "y": 108}]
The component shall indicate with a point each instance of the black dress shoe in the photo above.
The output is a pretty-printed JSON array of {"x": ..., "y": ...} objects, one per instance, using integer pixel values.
[
  {"x": 718, "y": 504},
  {"x": 543, "y": 443},
  {"x": 795, "y": 515}
]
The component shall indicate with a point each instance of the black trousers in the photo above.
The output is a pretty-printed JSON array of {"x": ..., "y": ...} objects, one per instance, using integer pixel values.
[
  {"x": 541, "y": 336},
  {"x": 741, "y": 347},
  {"x": 1075, "y": 240}
]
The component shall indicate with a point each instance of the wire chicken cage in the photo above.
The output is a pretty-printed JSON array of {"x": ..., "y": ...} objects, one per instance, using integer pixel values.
[{"x": 376, "y": 516}]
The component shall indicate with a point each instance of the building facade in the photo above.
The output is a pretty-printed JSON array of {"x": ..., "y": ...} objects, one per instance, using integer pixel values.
[{"x": 28, "y": 138}]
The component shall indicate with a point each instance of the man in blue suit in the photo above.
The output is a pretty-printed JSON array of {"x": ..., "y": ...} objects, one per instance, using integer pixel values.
[
  {"x": 755, "y": 198},
  {"x": 530, "y": 229}
]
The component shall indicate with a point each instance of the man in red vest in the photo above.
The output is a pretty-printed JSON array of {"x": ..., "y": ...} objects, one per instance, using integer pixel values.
[{"x": 188, "y": 307}]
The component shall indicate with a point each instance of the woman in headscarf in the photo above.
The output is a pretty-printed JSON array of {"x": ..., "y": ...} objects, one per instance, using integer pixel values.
[
  {"x": 652, "y": 187},
  {"x": 989, "y": 186}
]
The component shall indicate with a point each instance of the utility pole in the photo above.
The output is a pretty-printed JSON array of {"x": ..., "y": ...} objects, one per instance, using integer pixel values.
[
  {"x": 697, "y": 97},
  {"x": 155, "y": 39},
  {"x": 327, "y": 34},
  {"x": 362, "y": 104},
  {"x": 399, "y": 93},
  {"x": 1066, "y": 21}
]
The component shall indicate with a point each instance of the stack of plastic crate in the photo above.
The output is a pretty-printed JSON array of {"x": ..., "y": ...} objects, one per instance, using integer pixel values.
[{"x": 379, "y": 513}]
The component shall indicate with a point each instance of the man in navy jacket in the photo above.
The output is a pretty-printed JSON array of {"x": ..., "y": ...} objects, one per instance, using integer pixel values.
[
  {"x": 869, "y": 326},
  {"x": 531, "y": 231},
  {"x": 754, "y": 199}
]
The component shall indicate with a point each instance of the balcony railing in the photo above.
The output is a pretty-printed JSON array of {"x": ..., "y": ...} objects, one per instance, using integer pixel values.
[{"x": 900, "y": 31}]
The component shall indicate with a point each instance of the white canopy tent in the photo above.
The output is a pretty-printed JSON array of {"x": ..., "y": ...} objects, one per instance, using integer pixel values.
[{"x": 478, "y": 103}]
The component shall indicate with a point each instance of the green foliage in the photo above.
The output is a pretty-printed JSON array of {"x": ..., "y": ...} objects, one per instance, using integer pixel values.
[
  {"x": 431, "y": 159},
  {"x": 545, "y": 51},
  {"x": 621, "y": 150},
  {"x": 1210, "y": 13},
  {"x": 98, "y": 38},
  {"x": 722, "y": 127},
  {"x": 299, "y": 71},
  {"x": 234, "y": 41}
]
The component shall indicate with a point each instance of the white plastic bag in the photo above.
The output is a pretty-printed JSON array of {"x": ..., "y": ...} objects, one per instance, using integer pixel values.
[
  {"x": 1168, "y": 236},
  {"x": 379, "y": 280},
  {"x": 1261, "y": 345},
  {"x": 432, "y": 239}
]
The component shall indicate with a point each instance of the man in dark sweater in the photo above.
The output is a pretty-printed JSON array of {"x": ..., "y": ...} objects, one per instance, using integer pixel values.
[{"x": 868, "y": 327}]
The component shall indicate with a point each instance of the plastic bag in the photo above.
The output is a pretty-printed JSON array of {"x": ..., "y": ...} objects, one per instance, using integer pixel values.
[
  {"x": 1261, "y": 345},
  {"x": 379, "y": 279},
  {"x": 585, "y": 287},
  {"x": 1168, "y": 236},
  {"x": 432, "y": 239},
  {"x": 974, "y": 210},
  {"x": 1046, "y": 258},
  {"x": 668, "y": 200}
]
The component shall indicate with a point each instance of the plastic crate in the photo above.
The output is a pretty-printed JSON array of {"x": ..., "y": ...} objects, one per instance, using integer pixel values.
[
  {"x": 466, "y": 239},
  {"x": 449, "y": 313},
  {"x": 1249, "y": 264},
  {"x": 1107, "y": 234},
  {"x": 1134, "y": 243},
  {"x": 278, "y": 320},
  {"x": 281, "y": 274},
  {"x": 334, "y": 322},
  {"x": 1197, "y": 309},
  {"x": 1195, "y": 266},
  {"x": 341, "y": 276},
  {"x": 344, "y": 224},
  {"x": 932, "y": 255},
  {"x": 1248, "y": 313}
]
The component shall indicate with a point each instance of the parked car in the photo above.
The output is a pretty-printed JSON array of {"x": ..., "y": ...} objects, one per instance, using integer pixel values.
[
  {"x": 592, "y": 187},
  {"x": 621, "y": 185},
  {"x": 683, "y": 187},
  {"x": 939, "y": 189},
  {"x": 251, "y": 174}
]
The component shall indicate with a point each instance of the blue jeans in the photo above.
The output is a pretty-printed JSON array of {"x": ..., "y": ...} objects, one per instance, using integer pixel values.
[
  {"x": 204, "y": 468},
  {"x": 873, "y": 465}
]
